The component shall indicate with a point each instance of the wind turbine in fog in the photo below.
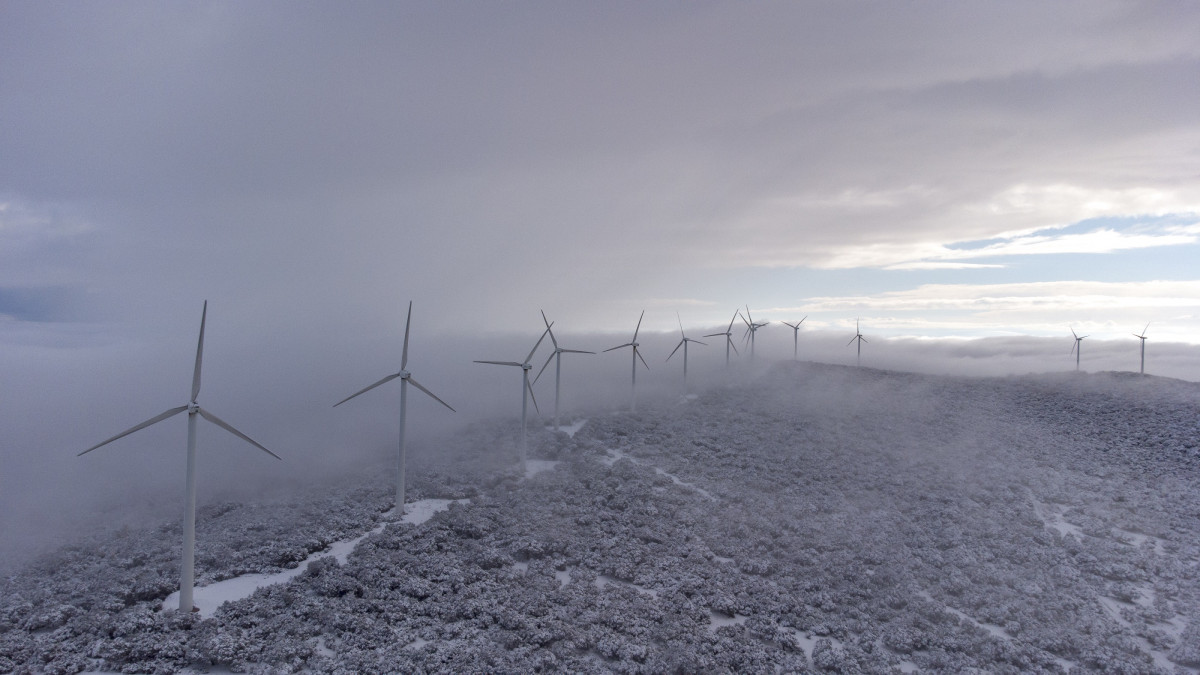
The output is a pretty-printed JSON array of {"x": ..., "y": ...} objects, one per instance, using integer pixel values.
[
  {"x": 859, "y": 337},
  {"x": 795, "y": 335},
  {"x": 1078, "y": 346},
  {"x": 526, "y": 388},
  {"x": 1143, "y": 338},
  {"x": 728, "y": 337},
  {"x": 751, "y": 330},
  {"x": 405, "y": 380},
  {"x": 636, "y": 355},
  {"x": 557, "y": 357},
  {"x": 193, "y": 409},
  {"x": 683, "y": 343}
]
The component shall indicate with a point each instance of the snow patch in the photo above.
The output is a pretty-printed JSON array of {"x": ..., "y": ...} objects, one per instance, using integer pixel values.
[
  {"x": 206, "y": 599},
  {"x": 535, "y": 466}
]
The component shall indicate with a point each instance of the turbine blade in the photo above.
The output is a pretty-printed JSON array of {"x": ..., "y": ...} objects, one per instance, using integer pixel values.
[
  {"x": 364, "y": 390},
  {"x": 864, "y": 339},
  {"x": 143, "y": 425},
  {"x": 504, "y": 363},
  {"x": 680, "y": 320},
  {"x": 547, "y": 363},
  {"x": 793, "y": 327},
  {"x": 1074, "y": 345},
  {"x": 576, "y": 351},
  {"x": 852, "y": 340},
  {"x": 698, "y": 342},
  {"x": 1146, "y": 328},
  {"x": 532, "y": 397},
  {"x": 537, "y": 344},
  {"x": 639, "y": 326},
  {"x": 736, "y": 314},
  {"x": 744, "y": 320},
  {"x": 407, "y": 323},
  {"x": 712, "y": 335},
  {"x": 431, "y": 394},
  {"x": 735, "y": 351},
  {"x": 748, "y": 314},
  {"x": 627, "y": 344},
  {"x": 547, "y": 322},
  {"x": 227, "y": 427},
  {"x": 1073, "y": 334},
  {"x": 199, "y": 354},
  {"x": 639, "y": 355},
  {"x": 676, "y": 349},
  {"x": 802, "y": 320}
]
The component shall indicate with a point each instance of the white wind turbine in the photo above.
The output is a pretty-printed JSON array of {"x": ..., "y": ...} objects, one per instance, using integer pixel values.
[
  {"x": 859, "y": 337},
  {"x": 1142, "y": 337},
  {"x": 683, "y": 343},
  {"x": 193, "y": 409},
  {"x": 636, "y": 355},
  {"x": 751, "y": 330},
  {"x": 1078, "y": 346},
  {"x": 728, "y": 337},
  {"x": 526, "y": 388},
  {"x": 405, "y": 380},
  {"x": 557, "y": 358},
  {"x": 795, "y": 336}
]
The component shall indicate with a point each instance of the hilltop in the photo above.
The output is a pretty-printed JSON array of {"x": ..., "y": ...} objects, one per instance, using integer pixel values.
[{"x": 818, "y": 518}]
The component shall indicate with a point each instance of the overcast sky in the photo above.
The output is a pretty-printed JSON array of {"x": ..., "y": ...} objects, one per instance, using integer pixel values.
[{"x": 934, "y": 169}]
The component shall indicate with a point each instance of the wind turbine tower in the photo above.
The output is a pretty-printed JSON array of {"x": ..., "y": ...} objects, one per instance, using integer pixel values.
[
  {"x": 526, "y": 388},
  {"x": 193, "y": 409},
  {"x": 1078, "y": 346},
  {"x": 795, "y": 336},
  {"x": 636, "y": 355},
  {"x": 405, "y": 380},
  {"x": 728, "y": 337},
  {"x": 858, "y": 336},
  {"x": 1142, "y": 337},
  {"x": 557, "y": 358},
  {"x": 683, "y": 343}
]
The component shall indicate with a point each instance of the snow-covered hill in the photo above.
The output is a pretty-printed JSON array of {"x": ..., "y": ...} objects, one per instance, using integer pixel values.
[{"x": 819, "y": 518}]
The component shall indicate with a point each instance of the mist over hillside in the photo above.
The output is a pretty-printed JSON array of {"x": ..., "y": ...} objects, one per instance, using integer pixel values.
[
  {"x": 280, "y": 389},
  {"x": 803, "y": 517}
]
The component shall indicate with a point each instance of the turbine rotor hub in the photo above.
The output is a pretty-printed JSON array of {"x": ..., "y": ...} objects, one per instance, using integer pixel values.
[
  {"x": 404, "y": 374},
  {"x": 193, "y": 408}
]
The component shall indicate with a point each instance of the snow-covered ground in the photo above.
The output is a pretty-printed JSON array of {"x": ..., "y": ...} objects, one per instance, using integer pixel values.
[{"x": 819, "y": 518}]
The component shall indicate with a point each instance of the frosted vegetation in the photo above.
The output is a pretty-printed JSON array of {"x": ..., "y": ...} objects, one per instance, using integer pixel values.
[{"x": 817, "y": 519}]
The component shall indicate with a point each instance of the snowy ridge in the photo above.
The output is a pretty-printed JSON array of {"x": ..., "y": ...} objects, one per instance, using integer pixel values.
[{"x": 849, "y": 521}]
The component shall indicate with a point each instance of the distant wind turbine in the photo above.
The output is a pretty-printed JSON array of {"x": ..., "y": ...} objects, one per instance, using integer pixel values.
[
  {"x": 193, "y": 409},
  {"x": 526, "y": 388},
  {"x": 751, "y": 330},
  {"x": 636, "y": 355},
  {"x": 683, "y": 343},
  {"x": 405, "y": 380},
  {"x": 858, "y": 336},
  {"x": 1078, "y": 346},
  {"x": 1142, "y": 337},
  {"x": 728, "y": 337},
  {"x": 795, "y": 336},
  {"x": 557, "y": 358}
]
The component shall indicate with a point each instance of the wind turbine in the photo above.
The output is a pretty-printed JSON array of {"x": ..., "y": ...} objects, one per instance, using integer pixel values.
[
  {"x": 405, "y": 380},
  {"x": 636, "y": 355},
  {"x": 526, "y": 388},
  {"x": 1142, "y": 337},
  {"x": 1078, "y": 346},
  {"x": 795, "y": 335},
  {"x": 557, "y": 357},
  {"x": 859, "y": 337},
  {"x": 728, "y": 337},
  {"x": 752, "y": 329},
  {"x": 683, "y": 343},
  {"x": 193, "y": 409}
]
